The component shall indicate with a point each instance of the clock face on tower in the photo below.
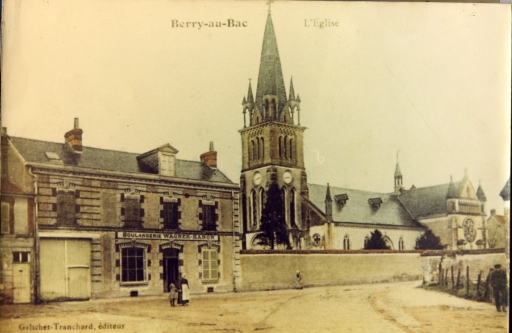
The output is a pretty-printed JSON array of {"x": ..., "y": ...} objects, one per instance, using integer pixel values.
[
  {"x": 256, "y": 178},
  {"x": 287, "y": 177}
]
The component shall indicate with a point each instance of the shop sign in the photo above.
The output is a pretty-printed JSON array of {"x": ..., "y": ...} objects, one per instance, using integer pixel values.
[{"x": 166, "y": 236}]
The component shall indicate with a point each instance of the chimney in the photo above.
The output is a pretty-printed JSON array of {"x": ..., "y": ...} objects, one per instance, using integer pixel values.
[
  {"x": 210, "y": 157},
  {"x": 493, "y": 212},
  {"x": 4, "y": 131},
  {"x": 74, "y": 138}
]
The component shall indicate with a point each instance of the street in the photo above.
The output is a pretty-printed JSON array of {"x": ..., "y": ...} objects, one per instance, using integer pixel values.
[{"x": 393, "y": 307}]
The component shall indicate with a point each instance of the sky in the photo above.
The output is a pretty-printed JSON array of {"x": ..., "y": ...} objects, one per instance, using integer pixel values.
[{"x": 427, "y": 83}]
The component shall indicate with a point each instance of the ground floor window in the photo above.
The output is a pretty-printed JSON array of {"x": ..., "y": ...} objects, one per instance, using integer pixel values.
[
  {"x": 346, "y": 243},
  {"x": 401, "y": 244},
  {"x": 210, "y": 265},
  {"x": 133, "y": 264}
]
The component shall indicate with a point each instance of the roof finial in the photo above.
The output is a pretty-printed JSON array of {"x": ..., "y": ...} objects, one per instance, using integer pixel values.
[{"x": 269, "y": 2}]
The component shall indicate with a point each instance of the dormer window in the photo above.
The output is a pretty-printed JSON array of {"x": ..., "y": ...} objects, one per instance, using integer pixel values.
[
  {"x": 375, "y": 202},
  {"x": 166, "y": 164},
  {"x": 341, "y": 199}
]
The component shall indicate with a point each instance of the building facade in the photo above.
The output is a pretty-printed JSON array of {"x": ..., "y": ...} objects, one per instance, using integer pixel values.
[{"x": 92, "y": 223}]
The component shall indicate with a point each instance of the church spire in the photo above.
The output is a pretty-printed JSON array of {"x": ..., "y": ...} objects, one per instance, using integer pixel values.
[
  {"x": 270, "y": 77},
  {"x": 398, "y": 177},
  {"x": 250, "y": 97},
  {"x": 292, "y": 91}
]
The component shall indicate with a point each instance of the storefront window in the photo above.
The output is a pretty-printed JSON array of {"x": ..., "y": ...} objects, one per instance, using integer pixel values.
[{"x": 133, "y": 265}]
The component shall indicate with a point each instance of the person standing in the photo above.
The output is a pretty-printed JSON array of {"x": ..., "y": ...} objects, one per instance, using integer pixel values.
[
  {"x": 178, "y": 286},
  {"x": 499, "y": 287},
  {"x": 298, "y": 277},
  {"x": 173, "y": 294},
  {"x": 185, "y": 292}
]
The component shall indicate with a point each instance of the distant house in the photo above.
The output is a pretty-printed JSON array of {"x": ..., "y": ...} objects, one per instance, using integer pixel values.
[{"x": 496, "y": 227}]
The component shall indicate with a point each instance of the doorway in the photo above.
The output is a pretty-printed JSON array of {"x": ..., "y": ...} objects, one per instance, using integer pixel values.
[
  {"x": 21, "y": 283},
  {"x": 171, "y": 270}
]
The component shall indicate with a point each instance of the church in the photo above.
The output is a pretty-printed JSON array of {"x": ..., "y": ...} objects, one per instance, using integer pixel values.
[{"x": 322, "y": 217}]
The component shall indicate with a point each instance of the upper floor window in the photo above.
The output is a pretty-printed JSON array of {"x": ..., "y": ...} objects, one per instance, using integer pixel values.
[
  {"x": 208, "y": 215},
  {"x": 66, "y": 207},
  {"x": 132, "y": 210},
  {"x": 171, "y": 213}
]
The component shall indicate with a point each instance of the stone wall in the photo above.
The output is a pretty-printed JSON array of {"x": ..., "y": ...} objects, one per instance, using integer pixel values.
[
  {"x": 477, "y": 261},
  {"x": 267, "y": 270}
]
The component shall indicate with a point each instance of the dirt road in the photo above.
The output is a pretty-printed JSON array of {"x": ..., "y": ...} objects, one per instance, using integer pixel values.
[{"x": 397, "y": 307}]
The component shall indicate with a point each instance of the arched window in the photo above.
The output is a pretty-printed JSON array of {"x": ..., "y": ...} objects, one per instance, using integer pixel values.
[
  {"x": 346, "y": 243},
  {"x": 401, "y": 244},
  {"x": 254, "y": 209},
  {"x": 261, "y": 201},
  {"x": 252, "y": 154},
  {"x": 258, "y": 148},
  {"x": 366, "y": 241},
  {"x": 262, "y": 148},
  {"x": 284, "y": 148},
  {"x": 291, "y": 149},
  {"x": 266, "y": 108},
  {"x": 292, "y": 208},
  {"x": 283, "y": 196},
  {"x": 280, "y": 147}
]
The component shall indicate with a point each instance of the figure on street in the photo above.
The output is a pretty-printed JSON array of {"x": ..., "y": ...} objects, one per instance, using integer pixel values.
[
  {"x": 298, "y": 277},
  {"x": 498, "y": 282},
  {"x": 185, "y": 294},
  {"x": 173, "y": 294},
  {"x": 178, "y": 286}
]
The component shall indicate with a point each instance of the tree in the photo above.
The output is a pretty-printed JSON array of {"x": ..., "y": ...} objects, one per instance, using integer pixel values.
[
  {"x": 376, "y": 242},
  {"x": 273, "y": 225},
  {"x": 428, "y": 241}
]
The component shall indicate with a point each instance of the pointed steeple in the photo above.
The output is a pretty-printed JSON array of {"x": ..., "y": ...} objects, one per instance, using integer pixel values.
[
  {"x": 480, "y": 193},
  {"x": 452, "y": 191},
  {"x": 244, "y": 101},
  {"x": 270, "y": 77},
  {"x": 398, "y": 173},
  {"x": 505, "y": 192},
  {"x": 292, "y": 91},
  {"x": 250, "y": 97}
]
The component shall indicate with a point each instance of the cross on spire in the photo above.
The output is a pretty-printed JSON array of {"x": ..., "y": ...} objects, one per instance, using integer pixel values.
[{"x": 269, "y": 3}]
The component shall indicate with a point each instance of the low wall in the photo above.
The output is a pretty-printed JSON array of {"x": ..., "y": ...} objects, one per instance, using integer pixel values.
[
  {"x": 477, "y": 261},
  {"x": 267, "y": 270}
]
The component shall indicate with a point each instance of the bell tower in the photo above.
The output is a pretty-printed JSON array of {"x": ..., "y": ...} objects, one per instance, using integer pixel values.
[{"x": 272, "y": 144}]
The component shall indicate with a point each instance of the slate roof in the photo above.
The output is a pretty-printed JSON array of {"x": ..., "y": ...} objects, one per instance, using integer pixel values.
[
  {"x": 425, "y": 201},
  {"x": 358, "y": 210},
  {"x": 108, "y": 160}
]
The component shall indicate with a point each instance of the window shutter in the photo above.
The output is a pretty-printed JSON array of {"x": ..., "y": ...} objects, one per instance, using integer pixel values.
[
  {"x": 77, "y": 194},
  {"x": 214, "y": 267},
  {"x": 122, "y": 197},
  {"x": 122, "y": 210},
  {"x": 179, "y": 201},
  {"x": 161, "y": 214},
  {"x": 216, "y": 204},
  {"x": 200, "y": 203},
  {"x": 149, "y": 263},
  {"x": 142, "y": 212},
  {"x": 142, "y": 199},
  {"x": 206, "y": 264},
  {"x": 179, "y": 215},
  {"x": 5, "y": 217}
]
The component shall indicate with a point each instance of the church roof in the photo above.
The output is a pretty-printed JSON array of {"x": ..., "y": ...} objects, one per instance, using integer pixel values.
[
  {"x": 431, "y": 200},
  {"x": 398, "y": 173},
  {"x": 270, "y": 77},
  {"x": 481, "y": 194},
  {"x": 358, "y": 207},
  {"x": 106, "y": 160}
]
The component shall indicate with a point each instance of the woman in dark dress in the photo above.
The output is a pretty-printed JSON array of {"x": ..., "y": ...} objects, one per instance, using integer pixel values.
[{"x": 185, "y": 295}]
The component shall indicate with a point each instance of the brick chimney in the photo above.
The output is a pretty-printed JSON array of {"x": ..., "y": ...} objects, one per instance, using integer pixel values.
[
  {"x": 210, "y": 157},
  {"x": 74, "y": 138}
]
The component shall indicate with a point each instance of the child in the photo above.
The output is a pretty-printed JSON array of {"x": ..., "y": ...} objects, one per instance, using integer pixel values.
[{"x": 173, "y": 293}]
